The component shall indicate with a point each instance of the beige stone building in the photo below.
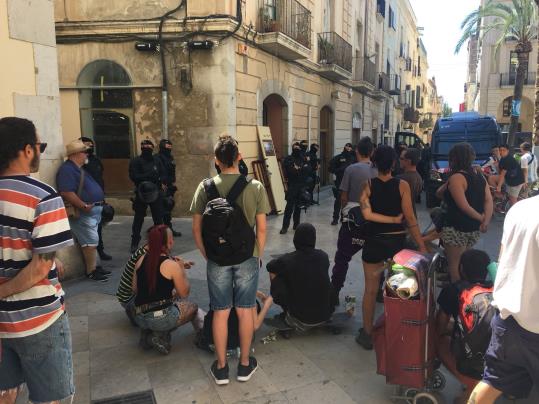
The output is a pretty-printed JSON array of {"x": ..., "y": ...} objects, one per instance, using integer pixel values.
[
  {"x": 496, "y": 78},
  {"x": 308, "y": 69}
]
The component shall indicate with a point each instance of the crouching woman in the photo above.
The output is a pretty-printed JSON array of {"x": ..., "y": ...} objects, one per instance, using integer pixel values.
[{"x": 161, "y": 287}]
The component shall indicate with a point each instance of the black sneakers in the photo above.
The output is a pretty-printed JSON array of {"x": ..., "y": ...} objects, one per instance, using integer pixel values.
[
  {"x": 245, "y": 372},
  {"x": 283, "y": 231},
  {"x": 220, "y": 375},
  {"x": 364, "y": 339},
  {"x": 102, "y": 270},
  {"x": 97, "y": 276}
]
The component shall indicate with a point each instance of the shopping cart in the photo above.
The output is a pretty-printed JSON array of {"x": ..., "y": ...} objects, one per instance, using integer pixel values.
[{"x": 404, "y": 336}]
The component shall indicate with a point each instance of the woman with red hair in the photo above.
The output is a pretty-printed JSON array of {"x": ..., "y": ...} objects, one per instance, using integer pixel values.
[{"x": 161, "y": 285}]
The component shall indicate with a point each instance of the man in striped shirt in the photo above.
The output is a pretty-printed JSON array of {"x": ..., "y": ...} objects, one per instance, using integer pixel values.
[{"x": 34, "y": 331}]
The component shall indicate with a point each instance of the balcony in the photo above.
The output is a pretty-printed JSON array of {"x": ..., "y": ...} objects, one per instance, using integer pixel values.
[
  {"x": 408, "y": 62},
  {"x": 508, "y": 79},
  {"x": 285, "y": 29},
  {"x": 364, "y": 78},
  {"x": 401, "y": 101},
  {"x": 334, "y": 56},
  {"x": 394, "y": 84},
  {"x": 411, "y": 115},
  {"x": 383, "y": 82}
]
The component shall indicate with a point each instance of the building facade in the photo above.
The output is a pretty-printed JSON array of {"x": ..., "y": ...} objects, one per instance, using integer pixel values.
[
  {"x": 328, "y": 71},
  {"x": 490, "y": 91}
]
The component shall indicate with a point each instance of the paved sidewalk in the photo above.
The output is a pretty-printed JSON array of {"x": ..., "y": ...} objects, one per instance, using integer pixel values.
[{"x": 318, "y": 368}]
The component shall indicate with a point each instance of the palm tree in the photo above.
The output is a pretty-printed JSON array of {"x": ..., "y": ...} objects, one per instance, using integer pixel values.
[{"x": 515, "y": 21}]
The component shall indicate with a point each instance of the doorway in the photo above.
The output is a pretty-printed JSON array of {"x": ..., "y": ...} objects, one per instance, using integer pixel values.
[
  {"x": 275, "y": 116},
  {"x": 326, "y": 144}
]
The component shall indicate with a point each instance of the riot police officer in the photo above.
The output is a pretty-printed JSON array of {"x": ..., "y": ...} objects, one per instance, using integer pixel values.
[
  {"x": 145, "y": 171},
  {"x": 296, "y": 170},
  {"x": 337, "y": 166},
  {"x": 95, "y": 168},
  {"x": 314, "y": 165},
  {"x": 168, "y": 179}
]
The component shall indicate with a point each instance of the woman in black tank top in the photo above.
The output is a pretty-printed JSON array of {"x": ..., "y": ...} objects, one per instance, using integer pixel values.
[
  {"x": 385, "y": 202},
  {"x": 160, "y": 285},
  {"x": 469, "y": 206}
]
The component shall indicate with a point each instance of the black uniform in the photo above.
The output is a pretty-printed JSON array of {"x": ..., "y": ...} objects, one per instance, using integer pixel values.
[
  {"x": 337, "y": 166},
  {"x": 95, "y": 169},
  {"x": 146, "y": 167},
  {"x": 168, "y": 178},
  {"x": 297, "y": 171},
  {"x": 314, "y": 163}
]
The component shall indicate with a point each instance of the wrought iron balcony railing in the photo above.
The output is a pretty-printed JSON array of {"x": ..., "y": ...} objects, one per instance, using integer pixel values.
[
  {"x": 365, "y": 71},
  {"x": 288, "y": 17},
  {"x": 509, "y": 79},
  {"x": 333, "y": 49},
  {"x": 383, "y": 82},
  {"x": 394, "y": 84}
]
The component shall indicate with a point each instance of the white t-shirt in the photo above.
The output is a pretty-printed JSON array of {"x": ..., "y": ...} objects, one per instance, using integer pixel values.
[
  {"x": 516, "y": 290},
  {"x": 532, "y": 167}
]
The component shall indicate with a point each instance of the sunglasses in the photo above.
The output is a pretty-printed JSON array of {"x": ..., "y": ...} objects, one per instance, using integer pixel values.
[{"x": 42, "y": 146}]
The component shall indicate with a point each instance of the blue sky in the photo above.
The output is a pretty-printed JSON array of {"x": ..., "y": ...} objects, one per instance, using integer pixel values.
[{"x": 441, "y": 21}]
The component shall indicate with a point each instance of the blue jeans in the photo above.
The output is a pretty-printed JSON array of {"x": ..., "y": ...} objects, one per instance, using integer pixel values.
[
  {"x": 233, "y": 285},
  {"x": 85, "y": 227},
  {"x": 159, "y": 320},
  {"x": 42, "y": 361}
]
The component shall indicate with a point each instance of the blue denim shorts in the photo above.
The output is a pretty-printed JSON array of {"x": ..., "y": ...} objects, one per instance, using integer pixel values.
[
  {"x": 233, "y": 285},
  {"x": 84, "y": 228},
  {"x": 160, "y": 320},
  {"x": 42, "y": 361},
  {"x": 512, "y": 358}
]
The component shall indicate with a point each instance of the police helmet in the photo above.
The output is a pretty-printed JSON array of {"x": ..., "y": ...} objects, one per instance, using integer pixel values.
[{"x": 107, "y": 214}]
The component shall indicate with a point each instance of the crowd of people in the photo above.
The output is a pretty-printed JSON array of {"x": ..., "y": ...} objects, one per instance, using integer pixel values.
[{"x": 376, "y": 191}]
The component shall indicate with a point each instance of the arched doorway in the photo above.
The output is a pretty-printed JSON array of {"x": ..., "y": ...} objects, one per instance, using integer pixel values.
[
  {"x": 326, "y": 144},
  {"x": 106, "y": 113},
  {"x": 526, "y": 118},
  {"x": 356, "y": 128},
  {"x": 275, "y": 116}
]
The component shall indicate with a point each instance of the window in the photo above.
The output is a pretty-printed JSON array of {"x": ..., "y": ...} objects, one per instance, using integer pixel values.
[
  {"x": 507, "y": 105},
  {"x": 381, "y": 7},
  {"x": 391, "y": 22},
  {"x": 513, "y": 66},
  {"x": 418, "y": 96},
  {"x": 270, "y": 10}
]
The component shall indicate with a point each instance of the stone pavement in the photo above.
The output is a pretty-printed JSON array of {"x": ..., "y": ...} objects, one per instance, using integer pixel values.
[{"x": 318, "y": 368}]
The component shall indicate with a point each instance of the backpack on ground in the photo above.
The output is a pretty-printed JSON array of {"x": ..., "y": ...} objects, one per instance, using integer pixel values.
[
  {"x": 472, "y": 332},
  {"x": 228, "y": 238}
]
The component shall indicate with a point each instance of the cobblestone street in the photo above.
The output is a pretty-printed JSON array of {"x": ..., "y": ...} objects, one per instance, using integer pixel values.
[{"x": 318, "y": 368}]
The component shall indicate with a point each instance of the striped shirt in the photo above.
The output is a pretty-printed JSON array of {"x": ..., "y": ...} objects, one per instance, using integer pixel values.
[
  {"x": 125, "y": 288},
  {"x": 33, "y": 220}
]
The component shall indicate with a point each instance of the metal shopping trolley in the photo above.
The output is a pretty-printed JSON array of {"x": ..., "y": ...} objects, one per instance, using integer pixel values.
[{"x": 404, "y": 336}]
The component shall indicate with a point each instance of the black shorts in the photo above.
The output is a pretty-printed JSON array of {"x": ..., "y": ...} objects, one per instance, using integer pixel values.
[{"x": 382, "y": 247}]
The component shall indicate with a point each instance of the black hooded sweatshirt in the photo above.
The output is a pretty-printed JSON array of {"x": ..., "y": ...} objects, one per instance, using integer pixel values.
[{"x": 303, "y": 274}]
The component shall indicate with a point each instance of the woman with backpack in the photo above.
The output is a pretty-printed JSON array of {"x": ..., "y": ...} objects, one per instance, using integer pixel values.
[
  {"x": 161, "y": 285},
  {"x": 385, "y": 201},
  {"x": 469, "y": 206}
]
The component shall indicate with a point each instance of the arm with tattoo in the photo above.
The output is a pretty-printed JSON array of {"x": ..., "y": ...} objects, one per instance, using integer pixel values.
[{"x": 36, "y": 270}]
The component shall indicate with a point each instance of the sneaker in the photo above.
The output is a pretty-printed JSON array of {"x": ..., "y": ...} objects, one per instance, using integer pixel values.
[
  {"x": 160, "y": 343},
  {"x": 283, "y": 231},
  {"x": 364, "y": 339},
  {"x": 219, "y": 375},
  {"x": 102, "y": 270},
  {"x": 245, "y": 372},
  {"x": 176, "y": 233},
  {"x": 103, "y": 255},
  {"x": 97, "y": 276},
  {"x": 334, "y": 222}
]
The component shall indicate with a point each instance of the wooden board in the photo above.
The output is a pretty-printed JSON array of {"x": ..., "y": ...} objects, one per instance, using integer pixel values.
[{"x": 272, "y": 167}]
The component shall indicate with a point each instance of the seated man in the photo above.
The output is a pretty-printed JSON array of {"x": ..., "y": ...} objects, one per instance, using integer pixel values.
[
  {"x": 473, "y": 272},
  {"x": 300, "y": 281}
]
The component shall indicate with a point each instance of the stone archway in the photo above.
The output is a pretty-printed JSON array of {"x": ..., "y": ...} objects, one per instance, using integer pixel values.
[
  {"x": 277, "y": 93},
  {"x": 274, "y": 115}
]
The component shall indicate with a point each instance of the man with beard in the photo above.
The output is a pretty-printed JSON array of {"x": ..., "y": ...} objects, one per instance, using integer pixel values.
[
  {"x": 169, "y": 182},
  {"x": 95, "y": 168},
  {"x": 145, "y": 171},
  {"x": 296, "y": 170},
  {"x": 35, "y": 340},
  {"x": 337, "y": 166}
]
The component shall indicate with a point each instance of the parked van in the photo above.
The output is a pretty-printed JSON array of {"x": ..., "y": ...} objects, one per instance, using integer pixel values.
[{"x": 482, "y": 132}]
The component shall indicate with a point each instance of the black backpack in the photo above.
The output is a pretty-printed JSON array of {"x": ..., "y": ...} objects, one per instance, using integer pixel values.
[
  {"x": 472, "y": 332},
  {"x": 228, "y": 238}
]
